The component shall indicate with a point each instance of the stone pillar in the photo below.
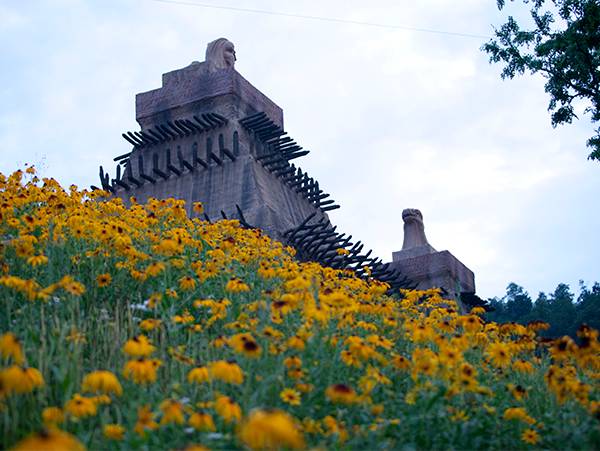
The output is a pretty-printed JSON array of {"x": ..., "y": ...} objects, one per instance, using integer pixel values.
[{"x": 425, "y": 266}]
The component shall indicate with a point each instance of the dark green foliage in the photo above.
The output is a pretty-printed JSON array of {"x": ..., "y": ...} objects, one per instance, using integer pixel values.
[
  {"x": 557, "y": 309},
  {"x": 564, "y": 46}
]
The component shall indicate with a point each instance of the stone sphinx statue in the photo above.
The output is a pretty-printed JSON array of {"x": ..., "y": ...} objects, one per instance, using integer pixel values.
[{"x": 220, "y": 54}]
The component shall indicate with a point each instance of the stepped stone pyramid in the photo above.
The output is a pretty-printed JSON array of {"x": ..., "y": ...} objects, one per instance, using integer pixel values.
[{"x": 207, "y": 135}]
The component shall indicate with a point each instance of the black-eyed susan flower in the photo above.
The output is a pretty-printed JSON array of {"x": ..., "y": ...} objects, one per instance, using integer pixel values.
[
  {"x": 80, "y": 406},
  {"x": 18, "y": 379},
  {"x": 271, "y": 430},
  {"x": 226, "y": 371},
  {"x": 172, "y": 412},
  {"x": 187, "y": 283},
  {"x": 103, "y": 280},
  {"x": 141, "y": 371},
  {"x": 236, "y": 285},
  {"x": 10, "y": 347},
  {"x": 530, "y": 436},
  {"x": 52, "y": 416},
  {"x": 499, "y": 353},
  {"x": 202, "y": 421},
  {"x": 198, "y": 375},
  {"x": 228, "y": 409},
  {"x": 341, "y": 393},
  {"x": 37, "y": 260},
  {"x": 290, "y": 396},
  {"x": 150, "y": 324},
  {"x": 145, "y": 420},
  {"x": 519, "y": 414},
  {"x": 113, "y": 431},
  {"x": 101, "y": 382},
  {"x": 50, "y": 439},
  {"x": 139, "y": 346}
]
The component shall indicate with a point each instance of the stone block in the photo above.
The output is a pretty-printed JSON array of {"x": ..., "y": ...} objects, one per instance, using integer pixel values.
[{"x": 437, "y": 270}]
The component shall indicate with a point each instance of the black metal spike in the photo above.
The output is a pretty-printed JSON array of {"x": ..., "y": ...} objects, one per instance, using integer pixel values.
[
  {"x": 175, "y": 129},
  {"x": 129, "y": 140},
  {"x": 141, "y": 171},
  {"x": 145, "y": 141},
  {"x": 183, "y": 163},
  {"x": 196, "y": 158},
  {"x": 332, "y": 207},
  {"x": 167, "y": 131},
  {"x": 170, "y": 166},
  {"x": 183, "y": 125},
  {"x": 160, "y": 137},
  {"x": 149, "y": 137},
  {"x": 156, "y": 170},
  {"x": 236, "y": 143},
  {"x": 193, "y": 126},
  {"x": 204, "y": 124}
]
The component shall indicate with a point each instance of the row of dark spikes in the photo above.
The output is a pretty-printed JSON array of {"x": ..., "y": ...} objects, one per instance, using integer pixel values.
[
  {"x": 176, "y": 129},
  {"x": 282, "y": 149},
  {"x": 127, "y": 180},
  {"x": 319, "y": 241}
]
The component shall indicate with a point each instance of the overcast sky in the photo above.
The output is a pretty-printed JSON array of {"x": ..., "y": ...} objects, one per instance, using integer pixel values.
[{"x": 394, "y": 119}]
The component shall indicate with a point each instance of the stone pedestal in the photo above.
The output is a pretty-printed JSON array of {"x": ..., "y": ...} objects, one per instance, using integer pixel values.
[{"x": 436, "y": 270}]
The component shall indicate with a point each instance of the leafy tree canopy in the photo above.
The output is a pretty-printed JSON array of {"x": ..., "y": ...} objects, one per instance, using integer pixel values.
[{"x": 564, "y": 46}]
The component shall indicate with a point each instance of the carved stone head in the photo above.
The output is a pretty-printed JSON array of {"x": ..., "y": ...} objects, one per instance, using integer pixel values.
[{"x": 220, "y": 54}]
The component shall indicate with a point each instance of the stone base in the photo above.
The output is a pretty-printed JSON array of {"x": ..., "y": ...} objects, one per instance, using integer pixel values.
[{"x": 436, "y": 270}]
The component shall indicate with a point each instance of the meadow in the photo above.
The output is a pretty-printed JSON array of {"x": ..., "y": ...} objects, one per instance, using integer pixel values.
[{"x": 140, "y": 328}]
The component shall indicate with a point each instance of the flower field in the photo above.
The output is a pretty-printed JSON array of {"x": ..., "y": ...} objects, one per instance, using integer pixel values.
[{"x": 139, "y": 328}]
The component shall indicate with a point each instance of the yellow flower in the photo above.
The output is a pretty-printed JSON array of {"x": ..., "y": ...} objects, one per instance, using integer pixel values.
[
  {"x": 103, "y": 382},
  {"x": 50, "y": 439},
  {"x": 150, "y": 324},
  {"x": 341, "y": 393},
  {"x": 518, "y": 413},
  {"x": 114, "y": 431},
  {"x": 139, "y": 346},
  {"x": 499, "y": 353},
  {"x": 80, "y": 406},
  {"x": 198, "y": 375},
  {"x": 71, "y": 286},
  {"x": 202, "y": 422},
  {"x": 290, "y": 396},
  {"x": 103, "y": 280},
  {"x": 225, "y": 371},
  {"x": 141, "y": 371},
  {"x": 172, "y": 411},
  {"x": 52, "y": 416},
  {"x": 228, "y": 409},
  {"x": 11, "y": 348},
  {"x": 198, "y": 208},
  {"x": 187, "y": 283},
  {"x": 270, "y": 430},
  {"x": 37, "y": 260},
  {"x": 236, "y": 286},
  {"x": 530, "y": 436},
  {"x": 145, "y": 421},
  {"x": 20, "y": 379},
  {"x": 293, "y": 362},
  {"x": 245, "y": 344}
]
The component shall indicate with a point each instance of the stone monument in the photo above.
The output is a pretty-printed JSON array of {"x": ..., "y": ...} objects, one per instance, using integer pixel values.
[
  {"x": 425, "y": 266},
  {"x": 207, "y": 135}
]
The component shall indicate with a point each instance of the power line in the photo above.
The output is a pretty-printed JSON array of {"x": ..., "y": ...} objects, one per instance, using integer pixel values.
[{"x": 323, "y": 19}]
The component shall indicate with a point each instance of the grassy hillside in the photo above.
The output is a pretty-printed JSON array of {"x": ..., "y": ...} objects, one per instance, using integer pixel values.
[{"x": 125, "y": 328}]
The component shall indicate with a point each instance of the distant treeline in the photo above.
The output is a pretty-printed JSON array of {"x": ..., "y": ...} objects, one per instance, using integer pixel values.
[{"x": 560, "y": 309}]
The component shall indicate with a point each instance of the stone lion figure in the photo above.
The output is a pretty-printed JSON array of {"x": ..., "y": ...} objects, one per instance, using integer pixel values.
[
  {"x": 220, "y": 54},
  {"x": 414, "y": 229}
]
